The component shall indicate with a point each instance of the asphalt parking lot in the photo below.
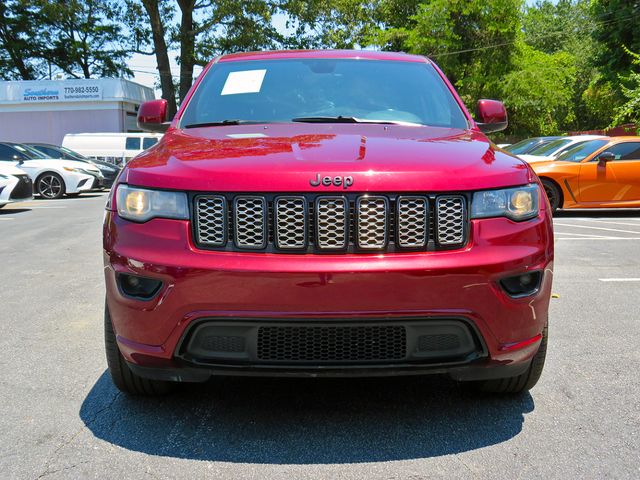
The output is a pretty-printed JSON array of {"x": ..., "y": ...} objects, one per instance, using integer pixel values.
[{"x": 62, "y": 418}]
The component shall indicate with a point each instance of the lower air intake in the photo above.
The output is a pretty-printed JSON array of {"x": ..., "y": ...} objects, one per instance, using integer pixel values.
[{"x": 372, "y": 343}]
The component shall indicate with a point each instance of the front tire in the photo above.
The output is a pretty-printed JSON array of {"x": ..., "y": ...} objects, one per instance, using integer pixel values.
[
  {"x": 123, "y": 378},
  {"x": 50, "y": 185},
  {"x": 554, "y": 194},
  {"x": 521, "y": 383}
]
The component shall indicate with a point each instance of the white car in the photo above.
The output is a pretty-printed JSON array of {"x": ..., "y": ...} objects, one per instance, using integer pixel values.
[
  {"x": 551, "y": 150},
  {"x": 52, "y": 178},
  {"x": 15, "y": 185}
]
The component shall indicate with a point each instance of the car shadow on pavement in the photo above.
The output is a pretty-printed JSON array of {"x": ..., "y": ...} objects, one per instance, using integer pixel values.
[
  {"x": 305, "y": 421},
  {"x": 12, "y": 211}
]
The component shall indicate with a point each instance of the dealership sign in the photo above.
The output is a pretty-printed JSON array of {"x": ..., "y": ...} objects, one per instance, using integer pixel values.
[{"x": 66, "y": 92}]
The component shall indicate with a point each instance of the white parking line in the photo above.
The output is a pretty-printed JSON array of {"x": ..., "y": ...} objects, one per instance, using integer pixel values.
[
  {"x": 598, "y": 238},
  {"x": 608, "y": 222},
  {"x": 619, "y": 279},
  {"x": 595, "y": 228},
  {"x": 588, "y": 235},
  {"x": 7, "y": 218}
]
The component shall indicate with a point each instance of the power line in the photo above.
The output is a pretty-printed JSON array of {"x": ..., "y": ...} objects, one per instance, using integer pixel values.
[{"x": 541, "y": 35}]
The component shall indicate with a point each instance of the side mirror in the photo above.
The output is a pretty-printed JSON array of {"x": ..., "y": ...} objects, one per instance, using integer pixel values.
[
  {"x": 605, "y": 157},
  {"x": 491, "y": 116},
  {"x": 152, "y": 116}
]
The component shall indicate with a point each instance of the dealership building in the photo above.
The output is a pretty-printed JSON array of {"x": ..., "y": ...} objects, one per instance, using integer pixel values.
[{"x": 46, "y": 110}]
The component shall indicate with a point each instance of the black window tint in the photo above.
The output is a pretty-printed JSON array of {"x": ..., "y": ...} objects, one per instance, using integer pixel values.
[
  {"x": 133, "y": 143},
  {"x": 10, "y": 154},
  {"x": 581, "y": 151},
  {"x": 6, "y": 153},
  {"x": 51, "y": 152},
  {"x": 626, "y": 151},
  {"x": 148, "y": 142}
]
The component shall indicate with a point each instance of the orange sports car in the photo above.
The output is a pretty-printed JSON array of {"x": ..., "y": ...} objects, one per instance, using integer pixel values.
[{"x": 602, "y": 173}]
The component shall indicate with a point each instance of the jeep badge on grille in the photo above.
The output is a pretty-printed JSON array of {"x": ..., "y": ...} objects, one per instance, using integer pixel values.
[{"x": 327, "y": 181}]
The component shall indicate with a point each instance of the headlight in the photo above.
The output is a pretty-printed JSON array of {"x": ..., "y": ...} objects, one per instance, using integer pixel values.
[
  {"x": 519, "y": 203},
  {"x": 140, "y": 205}
]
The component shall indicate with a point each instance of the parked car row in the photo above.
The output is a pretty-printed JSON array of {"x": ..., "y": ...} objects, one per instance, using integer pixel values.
[
  {"x": 585, "y": 171},
  {"x": 52, "y": 172}
]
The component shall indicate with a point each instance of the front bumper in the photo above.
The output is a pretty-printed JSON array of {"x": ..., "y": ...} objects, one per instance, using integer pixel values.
[
  {"x": 82, "y": 182},
  {"x": 355, "y": 288},
  {"x": 16, "y": 188}
]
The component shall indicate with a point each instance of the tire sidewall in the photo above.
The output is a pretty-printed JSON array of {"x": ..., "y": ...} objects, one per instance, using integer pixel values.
[{"x": 55, "y": 175}]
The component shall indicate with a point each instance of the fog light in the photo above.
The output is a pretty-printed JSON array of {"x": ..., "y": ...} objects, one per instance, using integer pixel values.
[
  {"x": 522, "y": 285},
  {"x": 141, "y": 288}
]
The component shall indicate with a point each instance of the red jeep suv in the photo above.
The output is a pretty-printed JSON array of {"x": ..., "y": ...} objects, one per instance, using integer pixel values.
[{"x": 326, "y": 213}]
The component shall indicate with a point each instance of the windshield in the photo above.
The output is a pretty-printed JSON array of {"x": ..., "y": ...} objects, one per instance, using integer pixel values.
[
  {"x": 581, "y": 151},
  {"x": 324, "y": 89},
  {"x": 72, "y": 154},
  {"x": 28, "y": 151},
  {"x": 550, "y": 148},
  {"x": 522, "y": 146}
]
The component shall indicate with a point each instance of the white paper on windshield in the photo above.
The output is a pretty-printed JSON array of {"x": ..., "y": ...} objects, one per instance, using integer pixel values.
[{"x": 248, "y": 81}]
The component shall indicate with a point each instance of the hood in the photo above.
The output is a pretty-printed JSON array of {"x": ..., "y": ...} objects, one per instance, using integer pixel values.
[
  {"x": 10, "y": 169},
  {"x": 290, "y": 157},
  {"x": 60, "y": 163}
]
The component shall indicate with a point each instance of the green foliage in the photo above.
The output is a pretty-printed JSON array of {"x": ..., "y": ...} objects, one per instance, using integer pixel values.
[
  {"x": 630, "y": 110},
  {"x": 539, "y": 91},
  {"x": 470, "y": 40},
  {"x": 616, "y": 29},
  {"x": 81, "y": 38}
]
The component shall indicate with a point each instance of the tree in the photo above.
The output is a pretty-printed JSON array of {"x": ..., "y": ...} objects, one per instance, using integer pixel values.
[
  {"x": 617, "y": 29},
  {"x": 153, "y": 34},
  {"x": 83, "y": 37},
  {"x": 630, "y": 110},
  {"x": 538, "y": 92},
  {"x": 472, "y": 41},
  {"x": 20, "y": 41}
]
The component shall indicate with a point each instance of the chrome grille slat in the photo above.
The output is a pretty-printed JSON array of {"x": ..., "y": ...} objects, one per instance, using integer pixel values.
[
  {"x": 250, "y": 218},
  {"x": 291, "y": 222},
  {"x": 329, "y": 223},
  {"x": 413, "y": 222},
  {"x": 450, "y": 220},
  {"x": 211, "y": 213},
  {"x": 372, "y": 220},
  {"x": 332, "y": 223}
]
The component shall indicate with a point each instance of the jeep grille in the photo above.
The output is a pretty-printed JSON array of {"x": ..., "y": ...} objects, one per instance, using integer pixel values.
[{"x": 308, "y": 223}]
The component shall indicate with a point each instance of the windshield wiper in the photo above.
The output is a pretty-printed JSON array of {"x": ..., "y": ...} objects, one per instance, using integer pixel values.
[
  {"x": 222, "y": 123},
  {"x": 342, "y": 119}
]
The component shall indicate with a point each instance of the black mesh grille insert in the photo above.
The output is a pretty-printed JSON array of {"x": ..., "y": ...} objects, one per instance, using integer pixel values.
[
  {"x": 223, "y": 343},
  {"x": 434, "y": 343},
  {"x": 332, "y": 343}
]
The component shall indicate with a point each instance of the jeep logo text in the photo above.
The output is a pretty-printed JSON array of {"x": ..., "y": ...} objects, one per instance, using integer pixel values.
[{"x": 327, "y": 181}]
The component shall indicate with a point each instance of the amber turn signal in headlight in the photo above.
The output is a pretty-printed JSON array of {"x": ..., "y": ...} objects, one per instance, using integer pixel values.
[{"x": 141, "y": 204}]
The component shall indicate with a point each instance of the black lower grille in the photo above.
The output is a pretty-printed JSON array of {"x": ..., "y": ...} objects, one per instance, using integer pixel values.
[
  {"x": 23, "y": 189},
  {"x": 332, "y": 343},
  {"x": 441, "y": 342}
]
